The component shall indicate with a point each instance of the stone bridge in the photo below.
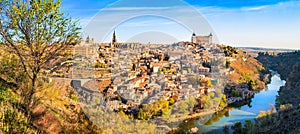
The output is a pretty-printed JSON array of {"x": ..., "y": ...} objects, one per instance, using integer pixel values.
[{"x": 84, "y": 94}]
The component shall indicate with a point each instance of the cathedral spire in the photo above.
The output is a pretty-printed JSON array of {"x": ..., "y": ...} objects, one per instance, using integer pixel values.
[{"x": 114, "y": 39}]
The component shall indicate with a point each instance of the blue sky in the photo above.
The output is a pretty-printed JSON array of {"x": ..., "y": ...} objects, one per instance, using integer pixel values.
[{"x": 258, "y": 23}]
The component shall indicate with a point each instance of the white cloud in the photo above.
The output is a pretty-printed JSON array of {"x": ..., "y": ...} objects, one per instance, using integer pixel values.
[{"x": 257, "y": 8}]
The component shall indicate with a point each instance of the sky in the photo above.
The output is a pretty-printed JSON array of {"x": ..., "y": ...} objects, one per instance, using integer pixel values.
[{"x": 251, "y": 23}]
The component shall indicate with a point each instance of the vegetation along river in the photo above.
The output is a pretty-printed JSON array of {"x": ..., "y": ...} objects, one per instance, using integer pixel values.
[{"x": 261, "y": 101}]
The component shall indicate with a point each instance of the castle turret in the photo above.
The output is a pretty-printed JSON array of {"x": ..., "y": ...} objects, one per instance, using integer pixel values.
[{"x": 193, "y": 35}]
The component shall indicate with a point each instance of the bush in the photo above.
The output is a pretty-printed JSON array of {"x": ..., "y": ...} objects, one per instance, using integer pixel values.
[
  {"x": 237, "y": 128},
  {"x": 74, "y": 97},
  {"x": 235, "y": 93}
]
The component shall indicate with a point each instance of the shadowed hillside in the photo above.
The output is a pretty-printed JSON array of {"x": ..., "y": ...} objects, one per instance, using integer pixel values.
[{"x": 288, "y": 66}]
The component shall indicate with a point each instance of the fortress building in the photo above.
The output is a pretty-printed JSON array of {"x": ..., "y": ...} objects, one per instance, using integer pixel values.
[{"x": 202, "y": 39}]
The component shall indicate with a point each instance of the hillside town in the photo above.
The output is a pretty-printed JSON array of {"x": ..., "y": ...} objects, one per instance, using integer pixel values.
[
  {"x": 152, "y": 67},
  {"x": 130, "y": 75}
]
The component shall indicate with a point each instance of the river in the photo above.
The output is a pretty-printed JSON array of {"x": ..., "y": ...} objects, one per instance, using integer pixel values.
[{"x": 260, "y": 101}]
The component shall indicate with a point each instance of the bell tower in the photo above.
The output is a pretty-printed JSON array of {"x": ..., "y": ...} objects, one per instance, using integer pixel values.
[{"x": 114, "y": 39}]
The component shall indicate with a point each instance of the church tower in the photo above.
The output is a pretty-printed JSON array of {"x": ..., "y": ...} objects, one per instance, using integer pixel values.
[
  {"x": 87, "y": 39},
  {"x": 114, "y": 39}
]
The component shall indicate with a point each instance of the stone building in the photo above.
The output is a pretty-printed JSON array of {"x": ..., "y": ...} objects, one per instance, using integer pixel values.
[{"x": 202, "y": 39}]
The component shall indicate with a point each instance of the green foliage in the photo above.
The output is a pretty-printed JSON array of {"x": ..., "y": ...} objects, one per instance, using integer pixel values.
[
  {"x": 191, "y": 103},
  {"x": 286, "y": 120},
  {"x": 237, "y": 128},
  {"x": 183, "y": 108},
  {"x": 189, "y": 70},
  {"x": 12, "y": 120},
  {"x": 282, "y": 121},
  {"x": 164, "y": 70},
  {"x": 36, "y": 32},
  {"x": 223, "y": 102},
  {"x": 100, "y": 65},
  {"x": 235, "y": 93},
  {"x": 213, "y": 100},
  {"x": 251, "y": 85},
  {"x": 7, "y": 94},
  {"x": 246, "y": 77},
  {"x": 229, "y": 51},
  {"x": 161, "y": 107},
  {"x": 265, "y": 113},
  {"x": 226, "y": 129},
  {"x": 166, "y": 57},
  {"x": 10, "y": 67},
  {"x": 209, "y": 83},
  {"x": 32, "y": 34},
  {"x": 209, "y": 104},
  {"x": 249, "y": 127},
  {"x": 227, "y": 64},
  {"x": 285, "y": 107},
  {"x": 287, "y": 65},
  {"x": 206, "y": 64},
  {"x": 118, "y": 123},
  {"x": 171, "y": 101},
  {"x": 262, "y": 114},
  {"x": 74, "y": 97},
  {"x": 206, "y": 82},
  {"x": 187, "y": 105},
  {"x": 143, "y": 115},
  {"x": 280, "y": 62}
]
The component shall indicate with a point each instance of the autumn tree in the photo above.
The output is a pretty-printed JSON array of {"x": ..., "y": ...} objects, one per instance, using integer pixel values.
[{"x": 35, "y": 31}]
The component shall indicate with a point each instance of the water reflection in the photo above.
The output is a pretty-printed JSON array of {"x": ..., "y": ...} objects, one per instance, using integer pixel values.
[{"x": 247, "y": 110}]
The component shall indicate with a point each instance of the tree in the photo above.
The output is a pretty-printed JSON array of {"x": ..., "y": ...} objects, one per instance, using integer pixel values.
[
  {"x": 209, "y": 104},
  {"x": 227, "y": 64},
  {"x": 249, "y": 127},
  {"x": 226, "y": 129},
  {"x": 205, "y": 82},
  {"x": 223, "y": 102},
  {"x": 262, "y": 114},
  {"x": 171, "y": 101},
  {"x": 142, "y": 115},
  {"x": 191, "y": 103},
  {"x": 35, "y": 31},
  {"x": 183, "y": 108},
  {"x": 237, "y": 128},
  {"x": 209, "y": 83}
]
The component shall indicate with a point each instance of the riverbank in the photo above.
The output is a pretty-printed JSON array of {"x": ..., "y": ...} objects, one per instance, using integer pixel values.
[
  {"x": 194, "y": 115},
  {"x": 260, "y": 102}
]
